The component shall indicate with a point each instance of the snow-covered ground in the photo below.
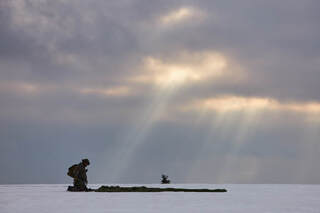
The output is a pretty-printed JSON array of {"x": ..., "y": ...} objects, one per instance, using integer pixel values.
[{"x": 239, "y": 198}]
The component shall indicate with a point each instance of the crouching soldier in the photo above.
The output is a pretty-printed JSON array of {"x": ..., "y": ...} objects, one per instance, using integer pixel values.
[{"x": 79, "y": 174}]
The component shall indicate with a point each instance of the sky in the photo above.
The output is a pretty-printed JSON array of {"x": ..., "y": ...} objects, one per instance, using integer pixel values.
[{"x": 205, "y": 91}]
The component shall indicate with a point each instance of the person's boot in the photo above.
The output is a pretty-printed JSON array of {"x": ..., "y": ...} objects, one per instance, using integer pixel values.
[{"x": 71, "y": 189}]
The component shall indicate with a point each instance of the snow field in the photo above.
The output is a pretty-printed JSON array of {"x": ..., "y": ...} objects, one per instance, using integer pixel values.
[{"x": 239, "y": 198}]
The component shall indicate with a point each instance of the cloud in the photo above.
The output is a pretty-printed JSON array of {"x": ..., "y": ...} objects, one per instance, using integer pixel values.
[
  {"x": 187, "y": 68},
  {"x": 19, "y": 87},
  {"x": 115, "y": 91},
  {"x": 180, "y": 15},
  {"x": 231, "y": 103}
]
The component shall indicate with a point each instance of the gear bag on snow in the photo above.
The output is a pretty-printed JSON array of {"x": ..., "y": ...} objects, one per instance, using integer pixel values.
[{"x": 73, "y": 170}]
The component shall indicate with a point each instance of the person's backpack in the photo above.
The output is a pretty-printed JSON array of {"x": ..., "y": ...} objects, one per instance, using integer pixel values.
[{"x": 72, "y": 171}]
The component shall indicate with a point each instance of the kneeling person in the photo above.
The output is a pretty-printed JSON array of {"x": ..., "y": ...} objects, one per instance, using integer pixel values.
[{"x": 79, "y": 174}]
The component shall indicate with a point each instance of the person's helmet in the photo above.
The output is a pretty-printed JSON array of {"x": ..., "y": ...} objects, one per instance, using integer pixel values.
[{"x": 86, "y": 161}]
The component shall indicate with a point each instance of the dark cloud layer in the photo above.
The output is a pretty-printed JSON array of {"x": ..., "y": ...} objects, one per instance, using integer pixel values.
[{"x": 66, "y": 91}]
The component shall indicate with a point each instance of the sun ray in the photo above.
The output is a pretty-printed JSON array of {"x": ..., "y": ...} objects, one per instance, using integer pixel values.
[
  {"x": 232, "y": 127},
  {"x": 209, "y": 143},
  {"x": 167, "y": 77},
  {"x": 240, "y": 116},
  {"x": 244, "y": 124},
  {"x": 137, "y": 135}
]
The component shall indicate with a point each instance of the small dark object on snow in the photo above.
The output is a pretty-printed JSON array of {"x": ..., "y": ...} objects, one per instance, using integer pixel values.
[
  {"x": 165, "y": 179},
  {"x": 79, "y": 174},
  {"x": 146, "y": 189}
]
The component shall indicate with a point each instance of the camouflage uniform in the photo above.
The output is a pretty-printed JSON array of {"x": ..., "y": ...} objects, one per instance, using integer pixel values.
[{"x": 80, "y": 182}]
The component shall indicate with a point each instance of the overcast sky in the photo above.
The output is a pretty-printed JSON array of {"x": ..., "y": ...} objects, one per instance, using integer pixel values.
[{"x": 203, "y": 91}]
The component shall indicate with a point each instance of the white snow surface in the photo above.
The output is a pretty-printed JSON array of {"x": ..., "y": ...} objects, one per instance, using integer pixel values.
[{"x": 239, "y": 198}]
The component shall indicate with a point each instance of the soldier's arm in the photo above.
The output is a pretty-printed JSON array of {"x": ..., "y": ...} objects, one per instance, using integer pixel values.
[
  {"x": 82, "y": 175},
  {"x": 77, "y": 173}
]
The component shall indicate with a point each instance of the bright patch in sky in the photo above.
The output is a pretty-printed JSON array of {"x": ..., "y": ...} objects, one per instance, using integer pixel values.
[
  {"x": 180, "y": 15},
  {"x": 113, "y": 91},
  {"x": 240, "y": 103},
  {"x": 185, "y": 69},
  {"x": 26, "y": 87}
]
